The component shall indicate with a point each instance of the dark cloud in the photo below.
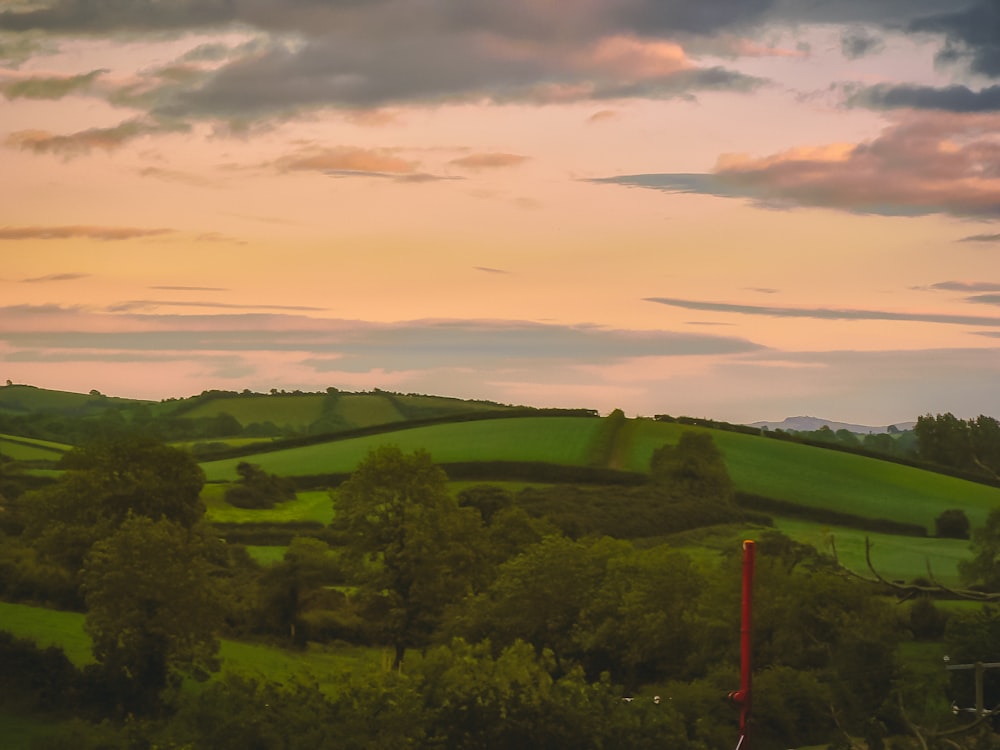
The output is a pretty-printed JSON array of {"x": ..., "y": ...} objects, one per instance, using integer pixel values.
[
  {"x": 359, "y": 345},
  {"x": 96, "y": 16},
  {"x": 105, "y": 234},
  {"x": 981, "y": 238},
  {"x": 972, "y": 34},
  {"x": 857, "y": 42},
  {"x": 923, "y": 163},
  {"x": 965, "y": 286},
  {"x": 948, "y": 98},
  {"x": 824, "y": 313},
  {"x": 985, "y": 299},
  {"x": 56, "y": 277}
]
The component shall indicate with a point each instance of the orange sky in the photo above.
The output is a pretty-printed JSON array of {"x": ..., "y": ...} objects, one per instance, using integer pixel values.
[{"x": 744, "y": 214}]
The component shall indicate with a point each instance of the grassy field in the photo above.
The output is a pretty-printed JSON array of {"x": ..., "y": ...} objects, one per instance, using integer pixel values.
[
  {"x": 49, "y": 627},
  {"x": 19, "y": 399},
  {"x": 29, "y": 449},
  {"x": 821, "y": 478},
  {"x": 559, "y": 440},
  {"x": 295, "y": 410},
  {"x": 896, "y": 558},
  {"x": 307, "y": 506},
  {"x": 801, "y": 474}
]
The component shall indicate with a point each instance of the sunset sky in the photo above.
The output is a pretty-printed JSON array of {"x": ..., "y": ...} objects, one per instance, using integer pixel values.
[{"x": 736, "y": 209}]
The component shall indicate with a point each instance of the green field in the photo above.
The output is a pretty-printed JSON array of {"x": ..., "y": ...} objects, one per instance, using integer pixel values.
[
  {"x": 801, "y": 474},
  {"x": 29, "y": 449},
  {"x": 307, "y": 506},
  {"x": 49, "y": 627},
  {"x": 558, "y": 440},
  {"x": 296, "y": 410},
  {"x": 20, "y": 399},
  {"x": 896, "y": 558}
]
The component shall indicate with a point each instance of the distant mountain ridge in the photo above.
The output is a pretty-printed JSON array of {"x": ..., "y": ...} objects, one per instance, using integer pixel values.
[{"x": 810, "y": 424}]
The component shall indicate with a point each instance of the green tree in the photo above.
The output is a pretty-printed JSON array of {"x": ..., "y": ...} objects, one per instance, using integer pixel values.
[
  {"x": 419, "y": 551},
  {"x": 289, "y": 587},
  {"x": 694, "y": 468},
  {"x": 640, "y": 618},
  {"x": 984, "y": 567},
  {"x": 151, "y": 610},
  {"x": 952, "y": 524}
]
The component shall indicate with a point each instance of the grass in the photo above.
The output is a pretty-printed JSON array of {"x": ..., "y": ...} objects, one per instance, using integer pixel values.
[
  {"x": 559, "y": 440},
  {"x": 318, "y": 663},
  {"x": 315, "y": 505},
  {"x": 294, "y": 410},
  {"x": 897, "y": 558},
  {"x": 21, "y": 732},
  {"x": 48, "y": 627},
  {"x": 822, "y": 478},
  {"x": 25, "y": 449},
  {"x": 361, "y": 410}
]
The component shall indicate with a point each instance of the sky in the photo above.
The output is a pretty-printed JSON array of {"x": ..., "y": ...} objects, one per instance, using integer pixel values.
[{"x": 735, "y": 209}]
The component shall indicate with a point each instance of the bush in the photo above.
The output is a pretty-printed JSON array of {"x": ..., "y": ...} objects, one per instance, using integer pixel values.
[{"x": 952, "y": 524}]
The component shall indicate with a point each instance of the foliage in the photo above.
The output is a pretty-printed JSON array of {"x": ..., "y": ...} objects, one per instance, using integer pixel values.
[
  {"x": 152, "y": 611},
  {"x": 418, "y": 549},
  {"x": 984, "y": 567},
  {"x": 258, "y": 489},
  {"x": 952, "y": 524}
]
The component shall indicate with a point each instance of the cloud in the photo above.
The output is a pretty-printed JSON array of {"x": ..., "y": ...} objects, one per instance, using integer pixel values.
[
  {"x": 486, "y": 269},
  {"x": 150, "y": 304},
  {"x": 84, "y": 141},
  {"x": 55, "y": 277},
  {"x": 602, "y": 115},
  {"x": 923, "y": 163},
  {"x": 346, "y": 159},
  {"x": 971, "y": 34},
  {"x": 966, "y": 286},
  {"x": 489, "y": 160},
  {"x": 48, "y": 87},
  {"x": 981, "y": 238},
  {"x": 357, "y": 344},
  {"x": 906, "y": 96},
  {"x": 857, "y": 42},
  {"x": 825, "y": 313},
  {"x": 105, "y": 234},
  {"x": 190, "y": 288},
  {"x": 130, "y": 15},
  {"x": 985, "y": 299}
]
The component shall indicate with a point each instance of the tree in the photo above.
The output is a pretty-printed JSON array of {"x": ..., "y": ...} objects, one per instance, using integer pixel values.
[
  {"x": 288, "y": 587},
  {"x": 418, "y": 548},
  {"x": 694, "y": 468},
  {"x": 258, "y": 489},
  {"x": 984, "y": 567},
  {"x": 151, "y": 610},
  {"x": 952, "y": 524}
]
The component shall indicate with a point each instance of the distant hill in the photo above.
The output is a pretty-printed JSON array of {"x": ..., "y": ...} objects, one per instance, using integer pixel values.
[{"x": 810, "y": 424}]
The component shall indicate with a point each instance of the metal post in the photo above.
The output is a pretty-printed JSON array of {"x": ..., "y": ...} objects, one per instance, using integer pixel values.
[
  {"x": 742, "y": 696},
  {"x": 979, "y": 689}
]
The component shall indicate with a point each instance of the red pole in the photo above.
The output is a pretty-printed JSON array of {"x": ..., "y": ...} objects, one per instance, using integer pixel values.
[{"x": 742, "y": 696}]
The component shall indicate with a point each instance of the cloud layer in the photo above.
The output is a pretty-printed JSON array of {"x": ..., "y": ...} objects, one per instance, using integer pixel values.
[{"x": 921, "y": 164}]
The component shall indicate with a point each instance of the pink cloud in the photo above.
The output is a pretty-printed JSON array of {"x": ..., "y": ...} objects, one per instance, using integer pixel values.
[
  {"x": 84, "y": 141},
  {"x": 78, "y": 231},
  {"x": 927, "y": 163},
  {"x": 347, "y": 159},
  {"x": 489, "y": 160}
]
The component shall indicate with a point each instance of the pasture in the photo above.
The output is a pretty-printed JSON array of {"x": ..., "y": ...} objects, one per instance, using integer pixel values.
[
  {"x": 558, "y": 440},
  {"x": 307, "y": 506},
  {"x": 29, "y": 449}
]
